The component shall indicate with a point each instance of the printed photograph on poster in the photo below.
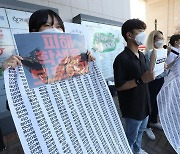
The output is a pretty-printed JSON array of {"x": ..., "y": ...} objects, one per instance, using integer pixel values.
[
  {"x": 3, "y": 19},
  {"x": 5, "y": 37},
  {"x": 105, "y": 42},
  {"x": 51, "y": 57},
  {"x": 18, "y": 19}
]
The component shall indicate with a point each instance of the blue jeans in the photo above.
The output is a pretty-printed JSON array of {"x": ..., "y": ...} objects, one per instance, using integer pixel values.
[{"x": 134, "y": 130}]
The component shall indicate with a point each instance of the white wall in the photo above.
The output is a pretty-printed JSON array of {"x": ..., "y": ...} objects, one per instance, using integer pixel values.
[
  {"x": 117, "y": 10},
  {"x": 138, "y": 9}
]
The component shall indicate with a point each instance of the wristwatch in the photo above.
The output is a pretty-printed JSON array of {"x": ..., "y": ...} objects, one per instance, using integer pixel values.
[{"x": 139, "y": 81}]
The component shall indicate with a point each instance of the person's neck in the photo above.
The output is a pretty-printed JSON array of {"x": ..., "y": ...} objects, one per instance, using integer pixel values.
[{"x": 133, "y": 48}]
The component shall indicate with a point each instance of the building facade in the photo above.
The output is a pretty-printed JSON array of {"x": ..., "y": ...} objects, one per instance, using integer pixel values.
[
  {"x": 167, "y": 14},
  {"x": 117, "y": 10}
]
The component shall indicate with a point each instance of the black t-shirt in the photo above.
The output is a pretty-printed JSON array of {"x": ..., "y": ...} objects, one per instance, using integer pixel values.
[{"x": 134, "y": 102}]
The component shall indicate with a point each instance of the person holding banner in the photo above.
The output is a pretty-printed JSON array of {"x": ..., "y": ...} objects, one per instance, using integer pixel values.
[
  {"x": 44, "y": 20},
  {"x": 174, "y": 49},
  {"x": 156, "y": 57},
  {"x": 131, "y": 77}
]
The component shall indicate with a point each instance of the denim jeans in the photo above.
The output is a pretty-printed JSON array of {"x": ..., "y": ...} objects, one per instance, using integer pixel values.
[{"x": 134, "y": 130}]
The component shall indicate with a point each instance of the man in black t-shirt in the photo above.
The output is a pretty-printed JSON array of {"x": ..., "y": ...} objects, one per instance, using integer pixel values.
[{"x": 131, "y": 77}]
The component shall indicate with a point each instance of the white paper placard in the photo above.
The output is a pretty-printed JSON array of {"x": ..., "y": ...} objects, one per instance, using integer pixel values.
[
  {"x": 77, "y": 115},
  {"x": 105, "y": 42}
]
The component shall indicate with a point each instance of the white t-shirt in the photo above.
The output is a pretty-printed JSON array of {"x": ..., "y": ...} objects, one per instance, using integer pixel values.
[{"x": 160, "y": 61}]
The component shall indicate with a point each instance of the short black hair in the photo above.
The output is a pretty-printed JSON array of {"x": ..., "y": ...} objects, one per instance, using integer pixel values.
[
  {"x": 130, "y": 25},
  {"x": 174, "y": 38},
  {"x": 40, "y": 17}
]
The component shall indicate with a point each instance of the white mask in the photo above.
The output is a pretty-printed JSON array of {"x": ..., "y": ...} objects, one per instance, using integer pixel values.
[
  {"x": 52, "y": 30},
  {"x": 158, "y": 44},
  {"x": 140, "y": 38}
]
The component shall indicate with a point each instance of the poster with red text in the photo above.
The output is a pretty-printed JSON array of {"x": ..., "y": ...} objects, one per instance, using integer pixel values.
[{"x": 51, "y": 57}]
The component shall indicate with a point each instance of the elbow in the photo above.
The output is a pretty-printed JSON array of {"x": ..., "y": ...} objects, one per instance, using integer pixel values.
[{"x": 119, "y": 88}]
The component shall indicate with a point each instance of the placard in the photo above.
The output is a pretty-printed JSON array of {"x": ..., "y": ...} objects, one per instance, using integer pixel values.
[
  {"x": 50, "y": 57},
  {"x": 105, "y": 42},
  {"x": 74, "y": 116}
]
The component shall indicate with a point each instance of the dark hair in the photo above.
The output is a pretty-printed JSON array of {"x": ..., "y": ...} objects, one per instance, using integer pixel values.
[
  {"x": 40, "y": 17},
  {"x": 130, "y": 25},
  {"x": 174, "y": 38}
]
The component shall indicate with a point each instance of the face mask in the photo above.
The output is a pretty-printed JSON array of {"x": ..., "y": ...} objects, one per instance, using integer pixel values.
[
  {"x": 52, "y": 30},
  {"x": 140, "y": 38},
  {"x": 158, "y": 44}
]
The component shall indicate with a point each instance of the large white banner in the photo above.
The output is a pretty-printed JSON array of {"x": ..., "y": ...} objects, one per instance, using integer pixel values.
[
  {"x": 169, "y": 107},
  {"x": 77, "y": 115}
]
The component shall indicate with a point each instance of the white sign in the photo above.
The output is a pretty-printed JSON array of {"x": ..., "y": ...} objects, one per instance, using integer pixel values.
[
  {"x": 9, "y": 19},
  {"x": 3, "y": 19},
  {"x": 5, "y": 52},
  {"x": 74, "y": 116},
  {"x": 76, "y": 29},
  {"x": 18, "y": 19},
  {"x": 105, "y": 42},
  {"x": 5, "y": 37}
]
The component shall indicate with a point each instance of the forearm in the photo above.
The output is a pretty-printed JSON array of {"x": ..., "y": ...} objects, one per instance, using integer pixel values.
[
  {"x": 127, "y": 85},
  {"x": 170, "y": 65}
]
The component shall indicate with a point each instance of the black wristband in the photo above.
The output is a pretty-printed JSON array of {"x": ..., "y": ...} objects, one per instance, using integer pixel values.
[{"x": 139, "y": 81}]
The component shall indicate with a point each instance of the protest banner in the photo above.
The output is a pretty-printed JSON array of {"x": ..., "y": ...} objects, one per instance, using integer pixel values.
[
  {"x": 50, "y": 57},
  {"x": 169, "y": 107},
  {"x": 73, "y": 115}
]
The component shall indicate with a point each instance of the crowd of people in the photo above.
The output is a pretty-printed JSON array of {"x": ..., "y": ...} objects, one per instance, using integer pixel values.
[{"x": 135, "y": 81}]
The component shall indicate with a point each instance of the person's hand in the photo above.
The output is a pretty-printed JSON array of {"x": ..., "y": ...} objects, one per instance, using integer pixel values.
[
  {"x": 148, "y": 76},
  {"x": 165, "y": 67},
  {"x": 12, "y": 62},
  {"x": 90, "y": 57}
]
